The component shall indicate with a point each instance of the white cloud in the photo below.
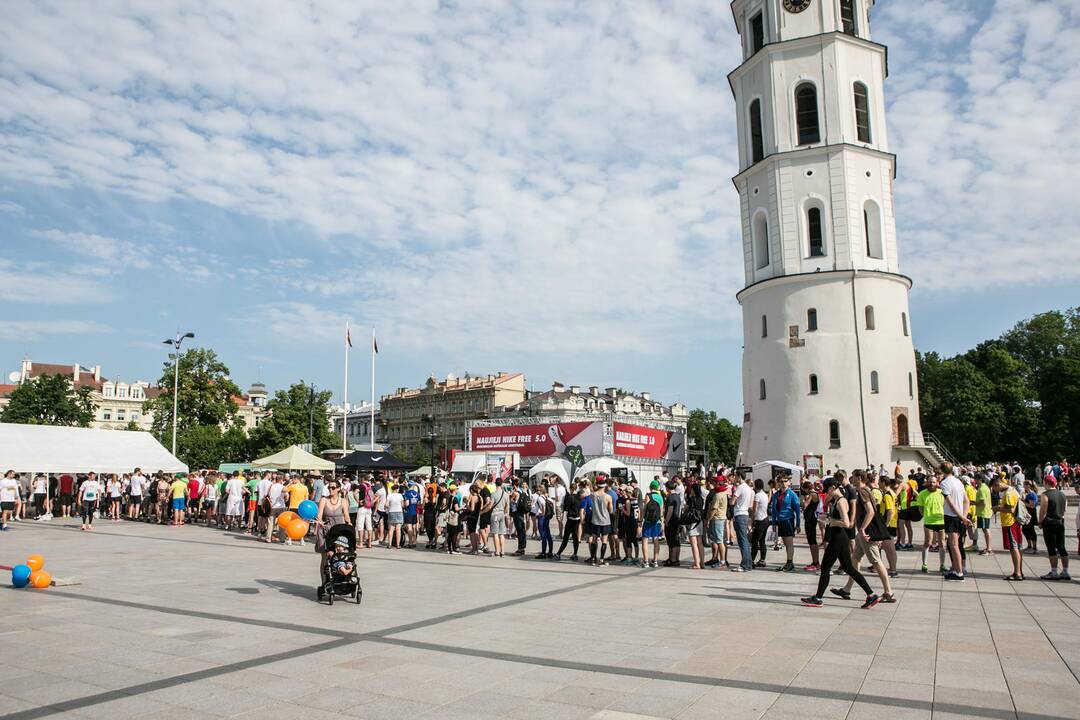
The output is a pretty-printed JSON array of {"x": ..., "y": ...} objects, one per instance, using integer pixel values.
[
  {"x": 39, "y": 329},
  {"x": 115, "y": 255},
  {"x": 29, "y": 283},
  {"x": 13, "y": 208}
]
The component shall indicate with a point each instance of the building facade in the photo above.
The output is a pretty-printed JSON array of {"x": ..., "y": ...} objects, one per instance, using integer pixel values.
[
  {"x": 571, "y": 401},
  {"x": 828, "y": 360},
  {"x": 358, "y": 436},
  {"x": 444, "y": 407}
]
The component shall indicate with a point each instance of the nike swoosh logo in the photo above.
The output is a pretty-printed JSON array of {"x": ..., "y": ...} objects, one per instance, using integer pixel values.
[
  {"x": 376, "y": 458},
  {"x": 675, "y": 447}
]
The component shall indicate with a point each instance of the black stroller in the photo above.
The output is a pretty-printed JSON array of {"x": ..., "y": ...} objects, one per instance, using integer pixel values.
[{"x": 339, "y": 574}]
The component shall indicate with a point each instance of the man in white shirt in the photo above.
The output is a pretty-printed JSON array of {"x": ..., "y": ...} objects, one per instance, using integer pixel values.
[
  {"x": 135, "y": 493},
  {"x": 276, "y": 494},
  {"x": 9, "y": 495},
  {"x": 262, "y": 490},
  {"x": 742, "y": 498},
  {"x": 956, "y": 519}
]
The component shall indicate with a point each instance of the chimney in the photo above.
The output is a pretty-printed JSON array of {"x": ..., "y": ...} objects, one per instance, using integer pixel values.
[
  {"x": 646, "y": 396},
  {"x": 611, "y": 391},
  {"x": 575, "y": 389},
  {"x": 594, "y": 391},
  {"x": 97, "y": 373},
  {"x": 27, "y": 370},
  {"x": 75, "y": 374},
  {"x": 557, "y": 386}
]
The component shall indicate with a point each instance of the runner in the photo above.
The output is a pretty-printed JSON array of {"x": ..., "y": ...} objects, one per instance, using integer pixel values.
[
  {"x": 1052, "y": 520},
  {"x": 931, "y": 502},
  {"x": 651, "y": 524},
  {"x": 1007, "y": 509},
  {"x": 178, "y": 492},
  {"x": 838, "y": 549},
  {"x": 89, "y": 492}
]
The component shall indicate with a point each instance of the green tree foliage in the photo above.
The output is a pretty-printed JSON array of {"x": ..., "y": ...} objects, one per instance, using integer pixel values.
[
  {"x": 1014, "y": 398},
  {"x": 206, "y": 394},
  {"x": 717, "y": 436},
  {"x": 287, "y": 424},
  {"x": 49, "y": 400}
]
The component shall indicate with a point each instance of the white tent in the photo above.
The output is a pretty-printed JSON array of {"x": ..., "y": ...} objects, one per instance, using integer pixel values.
[
  {"x": 764, "y": 470},
  {"x": 423, "y": 471},
  {"x": 45, "y": 448},
  {"x": 470, "y": 463},
  {"x": 599, "y": 465},
  {"x": 552, "y": 466},
  {"x": 293, "y": 457}
]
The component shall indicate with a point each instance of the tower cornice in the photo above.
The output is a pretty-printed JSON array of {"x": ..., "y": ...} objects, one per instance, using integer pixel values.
[
  {"x": 807, "y": 41},
  {"x": 801, "y": 278},
  {"x": 811, "y": 150}
]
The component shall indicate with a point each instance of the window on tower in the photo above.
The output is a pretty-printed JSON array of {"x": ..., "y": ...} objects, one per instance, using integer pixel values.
[
  {"x": 764, "y": 326},
  {"x": 847, "y": 16},
  {"x": 834, "y": 433},
  {"x": 910, "y": 385},
  {"x": 813, "y": 384},
  {"x": 761, "y": 241},
  {"x": 862, "y": 112},
  {"x": 813, "y": 232},
  {"x": 869, "y": 313},
  {"x": 757, "y": 139},
  {"x": 806, "y": 114},
  {"x": 872, "y": 229},
  {"x": 757, "y": 33},
  {"x": 811, "y": 319},
  {"x": 903, "y": 322},
  {"x": 761, "y": 388},
  {"x": 874, "y": 382}
]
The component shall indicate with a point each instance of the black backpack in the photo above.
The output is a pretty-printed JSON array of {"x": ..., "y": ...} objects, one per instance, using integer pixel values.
[
  {"x": 691, "y": 512},
  {"x": 549, "y": 508},
  {"x": 652, "y": 511},
  {"x": 524, "y": 503}
]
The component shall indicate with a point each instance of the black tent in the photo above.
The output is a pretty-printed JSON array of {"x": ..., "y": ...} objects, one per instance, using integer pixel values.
[{"x": 371, "y": 460}]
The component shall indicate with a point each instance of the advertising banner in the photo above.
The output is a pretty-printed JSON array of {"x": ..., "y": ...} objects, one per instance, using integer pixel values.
[
  {"x": 542, "y": 439},
  {"x": 651, "y": 443}
]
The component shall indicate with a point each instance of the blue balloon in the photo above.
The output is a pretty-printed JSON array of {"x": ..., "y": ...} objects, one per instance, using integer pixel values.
[
  {"x": 308, "y": 510},
  {"x": 20, "y": 575}
]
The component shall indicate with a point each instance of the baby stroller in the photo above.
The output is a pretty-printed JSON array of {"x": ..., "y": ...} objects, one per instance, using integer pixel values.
[{"x": 339, "y": 576}]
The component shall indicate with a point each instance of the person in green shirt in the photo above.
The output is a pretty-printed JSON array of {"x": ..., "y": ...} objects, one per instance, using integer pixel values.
[
  {"x": 932, "y": 502},
  {"x": 251, "y": 489},
  {"x": 984, "y": 510}
]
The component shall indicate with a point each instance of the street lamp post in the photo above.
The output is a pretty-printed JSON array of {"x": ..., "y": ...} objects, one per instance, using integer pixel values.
[{"x": 176, "y": 342}]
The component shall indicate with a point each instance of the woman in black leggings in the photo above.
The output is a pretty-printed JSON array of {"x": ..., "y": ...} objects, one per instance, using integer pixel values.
[{"x": 838, "y": 549}]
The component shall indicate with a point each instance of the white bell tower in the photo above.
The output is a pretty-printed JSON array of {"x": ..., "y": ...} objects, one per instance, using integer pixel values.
[{"x": 828, "y": 362}]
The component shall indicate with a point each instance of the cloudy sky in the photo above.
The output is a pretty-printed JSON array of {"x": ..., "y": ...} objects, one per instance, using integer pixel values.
[{"x": 540, "y": 187}]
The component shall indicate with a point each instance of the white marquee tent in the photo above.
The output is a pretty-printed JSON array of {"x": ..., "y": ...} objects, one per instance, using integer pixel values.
[
  {"x": 599, "y": 465},
  {"x": 45, "y": 448},
  {"x": 552, "y": 466},
  {"x": 293, "y": 457}
]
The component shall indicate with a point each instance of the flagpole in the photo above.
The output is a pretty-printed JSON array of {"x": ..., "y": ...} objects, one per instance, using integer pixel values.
[
  {"x": 372, "y": 446},
  {"x": 345, "y": 395}
]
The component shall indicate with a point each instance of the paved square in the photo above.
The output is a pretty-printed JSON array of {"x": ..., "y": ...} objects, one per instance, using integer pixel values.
[{"x": 192, "y": 622}]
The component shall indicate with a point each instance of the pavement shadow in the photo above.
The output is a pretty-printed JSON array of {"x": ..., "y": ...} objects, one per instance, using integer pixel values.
[
  {"x": 754, "y": 591},
  {"x": 744, "y": 599},
  {"x": 289, "y": 588},
  {"x": 243, "y": 590}
]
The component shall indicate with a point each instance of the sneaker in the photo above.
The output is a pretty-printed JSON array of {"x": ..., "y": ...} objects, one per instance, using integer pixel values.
[
  {"x": 893, "y": 573},
  {"x": 788, "y": 567},
  {"x": 760, "y": 564},
  {"x": 812, "y": 567},
  {"x": 954, "y": 576},
  {"x": 557, "y": 556},
  {"x": 643, "y": 565},
  {"x": 942, "y": 570},
  {"x": 888, "y": 598},
  {"x": 1052, "y": 575},
  {"x": 924, "y": 568},
  {"x": 1064, "y": 576},
  {"x": 737, "y": 568},
  {"x": 871, "y": 601},
  {"x": 984, "y": 552},
  {"x": 654, "y": 564},
  {"x": 812, "y": 601},
  {"x": 840, "y": 593}
]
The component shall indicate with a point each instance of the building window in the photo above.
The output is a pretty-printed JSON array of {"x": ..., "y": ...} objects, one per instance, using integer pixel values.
[
  {"x": 761, "y": 388},
  {"x": 903, "y": 322},
  {"x": 107, "y": 391},
  {"x": 813, "y": 231},
  {"x": 135, "y": 415},
  {"x": 120, "y": 415},
  {"x": 764, "y": 326},
  {"x": 813, "y": 384},
  {"x": 874, "y": 382},
  {"x": 872, "y": 229},
  {"x": 834, "y": 433},
  {"x": 806, "y": 114},
  {"x": 757, "y": 139},
  {"x": 757, "y": 33},
  {"x": 869, "y": 312},
  {"x": 811, "y": 319},
  {"x": 761, "y": 241},
  {"x": 847, "y": 16},
  {"x": 910, "y": 385},
  {"x": 106, "y": 414},
  {"x": 862, "y": 112}
]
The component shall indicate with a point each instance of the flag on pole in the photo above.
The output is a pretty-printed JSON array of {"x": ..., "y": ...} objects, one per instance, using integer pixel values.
[
  {"x": 374, "y": 344},
  {"x": 348, "y": 336}
]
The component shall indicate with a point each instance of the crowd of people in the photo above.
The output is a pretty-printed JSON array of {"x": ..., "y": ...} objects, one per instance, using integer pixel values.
[{"x": 844, "y": 517}]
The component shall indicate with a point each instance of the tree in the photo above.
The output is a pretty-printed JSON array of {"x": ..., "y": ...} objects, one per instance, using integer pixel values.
[
  {"x": 718, "y": 437},
  {"x": 133, "y": 426},
  {"x": 956, "y": 399},
  {"x": 206, "y": 394},
  {"x": 289, "y": 414},
  {"x": 50, "y": 400}
]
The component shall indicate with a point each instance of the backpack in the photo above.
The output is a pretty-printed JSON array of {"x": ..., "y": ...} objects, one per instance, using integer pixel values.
[
  {"x": 549, "y": 508},
  {"x": 691, "y": 512},
  {"x": 652, "y": 511},
  {"x": 1023, "y": 515},
  {"x": 524, "y": 502}
]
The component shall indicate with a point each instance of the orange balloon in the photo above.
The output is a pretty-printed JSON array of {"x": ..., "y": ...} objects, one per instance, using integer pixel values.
[
  {"x": 36, "y": 562},
  {"x": 297, "y": 529},
  {"x": 40, "y": 579},
  {"x": 285, "y": 519}
]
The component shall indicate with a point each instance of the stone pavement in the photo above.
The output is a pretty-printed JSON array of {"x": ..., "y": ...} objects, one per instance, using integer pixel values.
[{"x": 190, "y": 622}]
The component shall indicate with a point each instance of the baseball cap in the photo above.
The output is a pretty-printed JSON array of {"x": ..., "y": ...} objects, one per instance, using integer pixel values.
[{"x": 654, "y": 485}]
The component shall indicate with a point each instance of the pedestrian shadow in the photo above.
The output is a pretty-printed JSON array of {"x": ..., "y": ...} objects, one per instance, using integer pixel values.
[
  {"x": 745, "y": 599},
  {"x": 243, "y": 590},
  {"x": 289, "y": 588},
  {"x": 753, "y": 591}
]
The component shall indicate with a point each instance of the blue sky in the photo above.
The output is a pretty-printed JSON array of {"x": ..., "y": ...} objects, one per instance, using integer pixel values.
[{"x": 542, "y": 188}]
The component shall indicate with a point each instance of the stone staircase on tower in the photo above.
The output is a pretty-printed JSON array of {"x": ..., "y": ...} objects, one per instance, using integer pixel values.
[{"x": 930, "y": 449}]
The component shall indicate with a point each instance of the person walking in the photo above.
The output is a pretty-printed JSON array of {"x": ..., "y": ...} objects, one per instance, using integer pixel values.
[
  {"x": 870, "y": 531},
  {"x": 574, "y": 514},
  {"x": 89, "y": 492},
  {"x": 1052, "y": 521},
  {"x": 838, "y": 549},
  {"x": 333, "y": 510},
  {"x": 811, "y": 505}
]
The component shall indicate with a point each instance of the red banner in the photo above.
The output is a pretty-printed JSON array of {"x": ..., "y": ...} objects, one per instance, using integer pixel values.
[
  {"x": 540, "y": 440},
  {"x": 645, "y": 442}
]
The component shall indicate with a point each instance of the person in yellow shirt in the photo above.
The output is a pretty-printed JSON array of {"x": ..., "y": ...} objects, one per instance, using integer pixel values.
[
  {"x": 297, "y": 492},
  {"x": 887, "y": 509},
  {"x": 178, "y": 492},
  {"x": 984, "y": 510},
  {"x": 1011, "y": 537}
]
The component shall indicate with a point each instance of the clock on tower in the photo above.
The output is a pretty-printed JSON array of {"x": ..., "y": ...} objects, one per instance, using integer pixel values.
[{"x": 796, "y": 6}]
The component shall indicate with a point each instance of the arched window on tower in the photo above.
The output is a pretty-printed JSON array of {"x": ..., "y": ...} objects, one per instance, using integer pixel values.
[
  {"x": 811, "y": 320},
  {"x": 862, "y": 112},
  {"x": 869, "y": 312},
  {"x": 813, "y": 232},
  {"x": 834, "y": 433},
  {"x": 757, "y": 138},
  {"x": 764, "y": 326},
  {"x": 761, "y": 388},
  {"x": 874, "y": 388},
  {"x": 813, "y": 384},
  {"x": 910, "y": 385},
  {"x": 903, "y": 322},
  {"x": 806, "y": 114},
  {"x": 872, "y": 229},
  {"x": 847, "y": 16},
  {"x": 761, "y": 241}
]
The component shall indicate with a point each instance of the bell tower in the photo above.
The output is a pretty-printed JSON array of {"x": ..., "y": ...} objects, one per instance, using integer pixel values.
[{"x": 828, "y": 361}]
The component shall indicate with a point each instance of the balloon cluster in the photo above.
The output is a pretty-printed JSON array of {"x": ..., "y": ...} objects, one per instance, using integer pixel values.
[
  {"x": 295, "y": 524},
  {"x": 31, "y": 573}
]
